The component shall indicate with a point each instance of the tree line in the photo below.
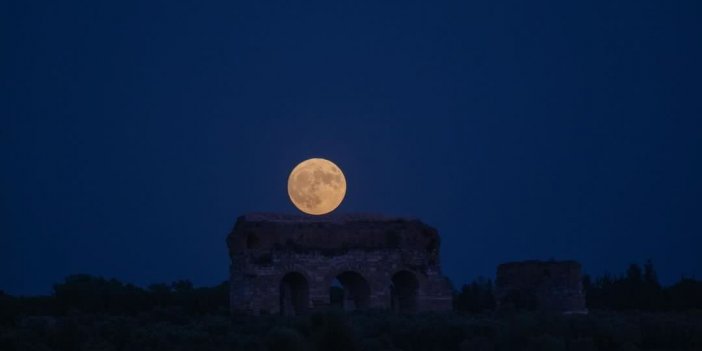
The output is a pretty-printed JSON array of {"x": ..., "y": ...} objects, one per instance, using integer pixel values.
[
  {"x": 637, "y": 289},
  {"x": 87, "y": 293}
]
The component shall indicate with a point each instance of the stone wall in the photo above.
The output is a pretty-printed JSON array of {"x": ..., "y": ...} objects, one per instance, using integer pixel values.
[
  {"x": 543, "y": 285},
  {"x": 288, "y": 264}
]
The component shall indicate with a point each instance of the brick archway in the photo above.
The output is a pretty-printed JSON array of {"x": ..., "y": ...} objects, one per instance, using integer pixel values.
[
  {"x": 404, "y": 291},
  {"x": 294, "y": 294},
  {"x": 354, "y": 293}
]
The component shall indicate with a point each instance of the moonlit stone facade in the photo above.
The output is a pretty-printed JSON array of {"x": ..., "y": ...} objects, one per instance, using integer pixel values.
[
  {"x": 288, "y": 264},
  {"x": 554, "y": 286}
]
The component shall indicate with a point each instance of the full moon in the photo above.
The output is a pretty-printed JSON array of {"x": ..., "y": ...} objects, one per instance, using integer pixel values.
[{"x": 316, "y": 186}]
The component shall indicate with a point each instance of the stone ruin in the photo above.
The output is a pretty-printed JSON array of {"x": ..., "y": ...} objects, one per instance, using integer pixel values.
[
  {"x": 292, "y": 264},
  {"x": 540, "y": 285}
]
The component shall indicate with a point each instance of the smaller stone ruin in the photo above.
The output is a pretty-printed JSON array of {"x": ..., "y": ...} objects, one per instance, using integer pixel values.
[{"x": 554, "y": 286}]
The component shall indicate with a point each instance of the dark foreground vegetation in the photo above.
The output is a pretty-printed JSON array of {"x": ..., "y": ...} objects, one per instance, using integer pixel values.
[
  {"x": 628, "y": 312},
  {"x": 173, "y": 330}
]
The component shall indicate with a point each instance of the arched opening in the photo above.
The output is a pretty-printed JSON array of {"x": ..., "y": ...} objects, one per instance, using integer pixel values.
[
  {"x": 403, "y": 292},
  {"x": 349, "y": 291},
  {"x": 294, "y": 294},
  {"x": 336, "y": 294}
]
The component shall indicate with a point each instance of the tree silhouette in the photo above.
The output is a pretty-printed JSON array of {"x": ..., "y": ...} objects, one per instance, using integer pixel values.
[
  {"x": 475, "y": 297},
  {"x": 639, "y": 289}
]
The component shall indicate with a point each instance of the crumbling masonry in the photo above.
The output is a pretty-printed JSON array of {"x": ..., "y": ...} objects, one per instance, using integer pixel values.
[
  {"x": 554, "y": 286},
  {"x": 292, "y": 264}
]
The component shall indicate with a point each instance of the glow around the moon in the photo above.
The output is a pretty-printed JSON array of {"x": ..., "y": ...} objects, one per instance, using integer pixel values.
[{"x": 316, "y": 186}]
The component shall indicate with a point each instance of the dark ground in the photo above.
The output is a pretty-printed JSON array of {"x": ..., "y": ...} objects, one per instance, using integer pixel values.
[
  {"x": 628, "y": 312},
  {"x": 172, "y": 330}
]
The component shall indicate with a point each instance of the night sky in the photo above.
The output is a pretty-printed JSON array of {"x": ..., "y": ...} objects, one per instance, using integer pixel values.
[{"x": 133, "y": 134}]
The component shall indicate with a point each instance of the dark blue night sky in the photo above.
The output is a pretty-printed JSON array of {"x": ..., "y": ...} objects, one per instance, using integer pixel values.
[{"x": 133, "y": 134}]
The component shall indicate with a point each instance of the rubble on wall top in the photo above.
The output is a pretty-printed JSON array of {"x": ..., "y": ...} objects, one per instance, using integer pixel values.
[{"x": 333, "y": 218}]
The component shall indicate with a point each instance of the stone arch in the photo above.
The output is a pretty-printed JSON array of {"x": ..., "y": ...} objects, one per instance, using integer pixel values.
[
  {"x": 404, "y": 291},
  {"x": 354, "y": 293},
  {"x": 294, "y": 294}
]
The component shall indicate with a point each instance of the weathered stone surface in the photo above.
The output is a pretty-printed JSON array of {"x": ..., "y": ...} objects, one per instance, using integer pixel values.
[
  {"x": 544, "y": 285},
  {"x": 287, "y": 264}
]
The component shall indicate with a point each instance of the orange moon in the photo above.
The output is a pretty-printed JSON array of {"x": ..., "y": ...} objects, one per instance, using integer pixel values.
[{"x": 316, "y": 186}]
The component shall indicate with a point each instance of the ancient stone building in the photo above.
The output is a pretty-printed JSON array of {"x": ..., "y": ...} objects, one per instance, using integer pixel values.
[
  {"x": 543, "y": 285},
  {"x": 292, "y": 264}
]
